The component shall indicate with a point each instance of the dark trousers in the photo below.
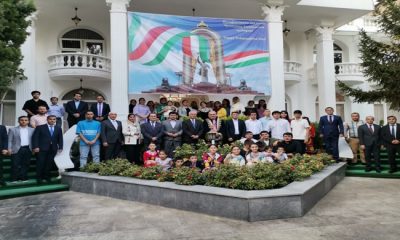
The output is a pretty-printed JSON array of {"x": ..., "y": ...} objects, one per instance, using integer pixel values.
[
  {"x": 170, "y": 145},
  {"x": 44, "y": 163},
  {"x": 235, "y": 138},
  {"x": 133, "y": 153},
  {"x": 392, "y": 150},
  {"x": 332, "y": 146},
  {"x": 20, "y": 164},
  {"x": 372, "y": 151},
  {"x": 302, "y": 144},
  {"x": 112, "y": 150}
]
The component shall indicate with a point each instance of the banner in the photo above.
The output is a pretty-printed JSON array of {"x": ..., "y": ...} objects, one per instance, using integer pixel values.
[{"x": 177, "y": 54}]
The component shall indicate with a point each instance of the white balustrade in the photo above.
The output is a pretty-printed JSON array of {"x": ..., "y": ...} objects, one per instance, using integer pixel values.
[
  {"x": 292, "y": 67},
  {"x": 62, "y": 62},
  {"x": 348, "y": 69}
]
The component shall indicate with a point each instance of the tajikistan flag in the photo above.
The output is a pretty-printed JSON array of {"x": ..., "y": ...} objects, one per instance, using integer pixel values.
[
  {"x": 194, "y": 46},
  {"x": 246, "y": 58}
]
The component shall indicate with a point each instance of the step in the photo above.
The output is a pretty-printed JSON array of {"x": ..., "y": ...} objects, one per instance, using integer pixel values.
[
  {"x": 373, "y": 174},
  {"x": 30, "y": 182},
  {"x": 31, "y": 174},
  {"x": 38, "y": 189}
]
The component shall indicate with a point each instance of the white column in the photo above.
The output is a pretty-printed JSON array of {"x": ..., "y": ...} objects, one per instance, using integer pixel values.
[
  {"x": 24, "y": 87},
  {"x": 325, "y": 69},
  {"x": 273, "y": 11},
  {"x": 119, "y": 56}
]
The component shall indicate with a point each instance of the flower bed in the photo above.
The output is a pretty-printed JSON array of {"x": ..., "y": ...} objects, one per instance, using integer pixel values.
[{"x": 258, "y": 177}]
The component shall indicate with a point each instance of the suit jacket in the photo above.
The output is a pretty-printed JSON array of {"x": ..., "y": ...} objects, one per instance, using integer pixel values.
[
  {"x": 206, "y": 128},
  {"x": 331, "y": 129},
  {"x": 3, "y": 138},
  {"x": 71, "y": 109},
  {"x": 167, "y": 128},
  {"x": 149, "y": 132},
  {"x": 189, "y": 130},
  {"x": 230, "y": 128},
  {"x": 14, "y": 138},
  {"x": 109, "y": 134},
  {"x": 43, "y": 140},
  {"x": 104, "y": 111},
  {"x": 366, "y": 137},
  {"x": 386, "y": 135}
]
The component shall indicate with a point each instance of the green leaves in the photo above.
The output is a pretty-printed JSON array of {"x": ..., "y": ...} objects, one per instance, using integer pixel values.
[{"x": 13, "y": 25}]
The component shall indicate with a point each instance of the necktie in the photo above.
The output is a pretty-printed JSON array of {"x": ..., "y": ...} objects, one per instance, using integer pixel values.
[
  {"x": 371, "y": 129},
  {"x": 330, "y": 119},
  {"x": 153, "y": 124},
  {"x": 193, "y": 123},
  {"x": 51, "y": 130},
  {"x": 100, "y": 110},
  {"x": 393, "y": 132},
  {"x": 115, "y": 124}
]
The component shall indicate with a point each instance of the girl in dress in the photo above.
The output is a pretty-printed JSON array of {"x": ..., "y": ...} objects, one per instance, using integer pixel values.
[
  {"x": 285, "y": 115},
  {"x": 255, "y": 156},
  {"x": 149, "y": 157},
  {"x": 203, "y": 110},
  {"x": 269, "y": 154},
  {"x": 163, "y": 161},
  {"x": 234, "y": 157},
  {"x": 211, "y": 159}
]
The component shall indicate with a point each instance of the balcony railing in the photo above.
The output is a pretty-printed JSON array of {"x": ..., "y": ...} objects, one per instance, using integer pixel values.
[
  {"x": 79, "y": 64},
  {"x": 350, "y": 73},
  {"x": 292, "y": 71}
]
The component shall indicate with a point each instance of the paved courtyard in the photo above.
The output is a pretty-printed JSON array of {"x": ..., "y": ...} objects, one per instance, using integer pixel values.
[{"x": 357, "y": 208}]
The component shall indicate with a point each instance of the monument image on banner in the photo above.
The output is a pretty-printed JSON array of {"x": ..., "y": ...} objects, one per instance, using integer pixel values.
[{"x": 179, "y": 54}]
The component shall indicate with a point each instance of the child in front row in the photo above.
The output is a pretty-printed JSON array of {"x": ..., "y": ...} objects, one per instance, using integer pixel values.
[
  {"x": 280, "y": 155},
  {"x": 163, "y": 160},
  {"x": 149, "y": 157},
  {"x": 212, "y": 158},
  {"x": 255, "y": 156},
  {"x": 234, "y": 157}
]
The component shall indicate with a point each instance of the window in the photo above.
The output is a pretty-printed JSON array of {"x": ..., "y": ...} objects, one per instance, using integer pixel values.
[
  {"x": 7, "y": 109},
  {"x": 82, "y": 40}
]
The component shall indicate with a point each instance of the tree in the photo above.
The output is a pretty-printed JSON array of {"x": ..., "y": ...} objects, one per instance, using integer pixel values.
[
  {"x": 13, "y": 25},
  {"x": 381, "y": 60}
]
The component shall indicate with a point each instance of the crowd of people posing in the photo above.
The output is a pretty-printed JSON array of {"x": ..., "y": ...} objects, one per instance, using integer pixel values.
[{"x": 152, "y": 132}]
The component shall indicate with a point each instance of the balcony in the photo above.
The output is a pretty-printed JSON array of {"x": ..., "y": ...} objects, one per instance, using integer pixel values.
[
  {"x": 89, "y": 66},
  {"x": 292, "y": 72},
  {"x": 349, "y": 73}
]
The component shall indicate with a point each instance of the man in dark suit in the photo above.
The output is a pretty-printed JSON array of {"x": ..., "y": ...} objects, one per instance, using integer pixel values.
[
  {"x": 47, "y": 140},
  {"x": 76, "y": 110},
  {"x": 330, "y": 128},
  {"x": 111, "y": 136},
  {"x": 235, "y": 128},
  {"x": 213, "y": 128},
  {"x": 152, "y": 131},
  {"x": 192, "y": 128},
  {"x": 172, "y": 130},
  {"x": 3, "y": 149},
  {"x": 100, "y": 109},
  {"x": 390, "y": 136},
  {"x": 369, "y": 135}
]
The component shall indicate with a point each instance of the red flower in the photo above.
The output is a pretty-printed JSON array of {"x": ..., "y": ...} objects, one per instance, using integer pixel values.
[{"x": 292, "y": 168}]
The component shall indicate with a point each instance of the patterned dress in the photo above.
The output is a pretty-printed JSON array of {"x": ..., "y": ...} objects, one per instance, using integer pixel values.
[{"x": 149, "y": 158}]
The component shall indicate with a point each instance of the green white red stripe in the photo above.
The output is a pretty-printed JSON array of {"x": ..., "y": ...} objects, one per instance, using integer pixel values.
[
  {"x": 194, "y": 46},
  {"x": 247, "y": 58}
]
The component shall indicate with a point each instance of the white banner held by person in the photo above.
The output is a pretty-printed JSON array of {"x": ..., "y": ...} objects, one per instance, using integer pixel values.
[{"x": 344, "y": 149}]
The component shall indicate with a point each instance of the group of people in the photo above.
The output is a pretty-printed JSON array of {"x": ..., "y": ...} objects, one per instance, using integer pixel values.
[{"x": 153, "y": 131}]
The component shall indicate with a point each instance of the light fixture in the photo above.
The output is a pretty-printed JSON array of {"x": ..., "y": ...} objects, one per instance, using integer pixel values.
[
  {"x": 76, "y": 19},
  {"x": 286, "y": 30},
  {"x": 194, "y": 12},
  {"x": 81, "y": 90}
]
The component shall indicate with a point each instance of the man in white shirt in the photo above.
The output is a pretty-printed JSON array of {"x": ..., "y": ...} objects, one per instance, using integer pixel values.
[
  {"x": 235, "y": 128},
  {"x": 248, "y": 136},
  {"x": 278, "y": 126},
  {"x": 254, "y": 125},
  {"x": 300, "y": 130},
  {"x": 266, "y": 119}
]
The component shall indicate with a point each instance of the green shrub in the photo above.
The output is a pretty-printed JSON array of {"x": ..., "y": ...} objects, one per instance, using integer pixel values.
[
  {"x": 188, "y": 176},
  {"x": 91, "y": 167},
  {"x": 114, "y": 167}
]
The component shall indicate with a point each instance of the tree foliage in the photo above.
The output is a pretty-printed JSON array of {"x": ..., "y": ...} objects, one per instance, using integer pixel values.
[
  {"x": 381, "y": 60},
  {"x": 13, "y": 25}
]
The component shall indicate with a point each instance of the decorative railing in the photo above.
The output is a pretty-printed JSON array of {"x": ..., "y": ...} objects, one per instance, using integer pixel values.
[
  {"x": 79, "y": 60},
  {"x": 292, "y": 67},
  {"x": 348, "y": 69}
]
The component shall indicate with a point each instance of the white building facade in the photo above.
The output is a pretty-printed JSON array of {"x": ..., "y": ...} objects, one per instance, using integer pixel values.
[{"x": 320, "y": 49}]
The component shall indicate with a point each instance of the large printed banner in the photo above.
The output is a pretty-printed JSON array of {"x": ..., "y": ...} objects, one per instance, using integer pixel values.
[{"x": 177, "y": 54}]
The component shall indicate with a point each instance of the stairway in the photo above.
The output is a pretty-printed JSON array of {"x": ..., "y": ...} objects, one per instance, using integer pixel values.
[
  {"x": 30, "y": 187},
  {"x": 358, "y": 170}
]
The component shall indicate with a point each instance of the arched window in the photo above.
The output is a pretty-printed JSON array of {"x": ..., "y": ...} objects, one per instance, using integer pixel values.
[
  {"x": 7, "y": 109},
  {"x": 337, "y": 53},
  {"x": 82, "y": 40},
  {"x": 339, "y": 110}
]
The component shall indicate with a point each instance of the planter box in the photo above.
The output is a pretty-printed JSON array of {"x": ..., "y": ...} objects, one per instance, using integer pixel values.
[{"x": 293, "y": 200}]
